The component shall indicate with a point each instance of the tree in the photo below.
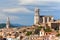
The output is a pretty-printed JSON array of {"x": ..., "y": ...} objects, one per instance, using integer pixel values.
[
  {"x": 29, "y": 33},
  {"x": 47, "y": 30},
  {"x": 37, "y": 30},
  {"x": 40, "y": 27}
]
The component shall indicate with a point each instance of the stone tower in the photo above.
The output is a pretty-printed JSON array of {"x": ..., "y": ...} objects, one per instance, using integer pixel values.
[
  {"x": 8, "y": 23},
  {"x": 36, "y": 16}
]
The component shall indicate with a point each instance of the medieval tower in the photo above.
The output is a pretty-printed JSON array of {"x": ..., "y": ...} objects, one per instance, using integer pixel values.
[
  {"x": 8, "y": 23},
  {"x": 36, "y": 16}
]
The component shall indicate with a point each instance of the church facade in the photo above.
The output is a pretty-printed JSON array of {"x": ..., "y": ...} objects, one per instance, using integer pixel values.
[{"x": 45, "y": 20}]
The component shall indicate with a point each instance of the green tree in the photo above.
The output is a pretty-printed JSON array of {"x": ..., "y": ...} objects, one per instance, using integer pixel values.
[
  {"x": 40, "y": 27},
  {"x": 47, "y": 30},
  {"x": 37, "y": 30},
  {"x": 29, "y": 33}
]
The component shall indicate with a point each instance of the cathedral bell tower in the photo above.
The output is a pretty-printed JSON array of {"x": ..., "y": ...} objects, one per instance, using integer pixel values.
[
  {"x": 36, "y": 16},
  {"x": 8, "y": 23}
]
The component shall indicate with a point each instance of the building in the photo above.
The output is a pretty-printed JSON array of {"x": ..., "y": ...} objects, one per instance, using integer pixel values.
[
  {"x": 36, "y": 16},
  {"x": 42, "y": 33},
  {"x": 45, "y": 20}
]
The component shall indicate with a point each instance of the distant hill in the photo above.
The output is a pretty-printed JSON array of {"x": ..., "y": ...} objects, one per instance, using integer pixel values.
[{"x": 2, "y": 25}]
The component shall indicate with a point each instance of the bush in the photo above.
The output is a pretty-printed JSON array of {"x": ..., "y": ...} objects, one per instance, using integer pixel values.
[
  {"x": 37, "y": 30},
  {"x": 40, "y": 27},
  {"x": 47, "y": 30},
  {"x": 29, "y": 33},
  {"x": 58, "y": 35}
]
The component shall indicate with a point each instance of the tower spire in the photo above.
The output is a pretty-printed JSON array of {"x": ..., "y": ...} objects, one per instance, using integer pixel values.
[
  {"x": 36, "y": 16},
  {"x": 8, "y": 23}
]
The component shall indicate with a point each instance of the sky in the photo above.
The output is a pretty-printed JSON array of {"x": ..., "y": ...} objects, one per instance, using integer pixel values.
[{"x": 22, "y": 11}]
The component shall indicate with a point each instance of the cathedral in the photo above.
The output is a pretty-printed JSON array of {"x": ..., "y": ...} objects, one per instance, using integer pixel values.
[{"x": 45, "y": 20}]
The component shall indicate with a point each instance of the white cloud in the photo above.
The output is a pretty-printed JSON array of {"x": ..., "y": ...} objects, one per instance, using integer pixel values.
[
  {"x": 51, "y": 0},
  {"x": 24, "y": 2},
  {"x": 14, "y": 18},
  {"x": 56, "y": 8},
  {"x": 46, "y": 10},
  {"x": 4, "y": 13},
  {"x": 15, "y": 10},
  {"x": 36, "y": 2},
  {"x": 3, "y": 16}
]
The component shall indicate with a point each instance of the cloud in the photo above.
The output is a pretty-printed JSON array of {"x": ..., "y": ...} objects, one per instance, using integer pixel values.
[
  {"x": 14, "y": 18},
  {"x": 51, "y": 0},
  {"x": 56, "y": 8},
  {"x": 8, "y": 3},
  {"x": 51, "y": 9},
  {"x": 46, "y": 10},
  {"x": 36, "y": 2},
  {"x": 15, "y": 10},
  {"x": 3, "y": 17},
  {"x": 24, "y": 2}
]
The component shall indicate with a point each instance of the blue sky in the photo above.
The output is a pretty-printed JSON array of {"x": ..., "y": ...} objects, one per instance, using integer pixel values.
[{"x": 22, "y": 11}]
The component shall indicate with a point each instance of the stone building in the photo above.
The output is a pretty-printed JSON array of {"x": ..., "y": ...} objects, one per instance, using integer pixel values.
[
  {"x": 42, "y": 33},
  {"x": 45, "y": 20}
]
